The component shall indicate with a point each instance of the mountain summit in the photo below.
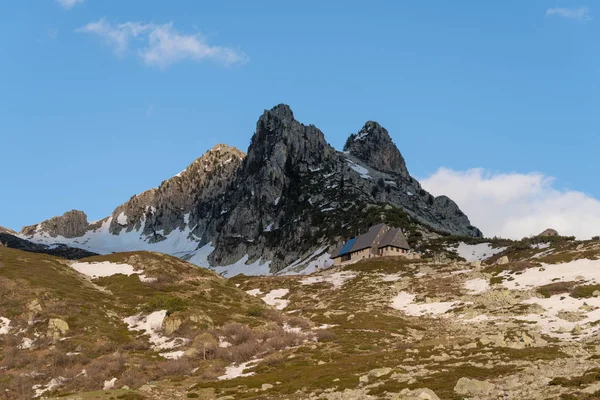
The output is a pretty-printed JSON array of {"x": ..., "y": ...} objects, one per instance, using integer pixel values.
[
  {"x": 373, "y": 145},
  {"x": 284, "y": 204}
]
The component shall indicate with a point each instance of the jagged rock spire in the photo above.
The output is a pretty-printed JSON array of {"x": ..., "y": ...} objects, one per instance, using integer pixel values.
[{"x": 373, "y": 145}]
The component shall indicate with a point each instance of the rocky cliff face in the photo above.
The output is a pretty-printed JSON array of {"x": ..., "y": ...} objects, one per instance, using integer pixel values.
[
  {"x": 291, "y": 198},
  {"x": 71, "y": 224},
  {"x": 295, "y": 193},
  {"x": 373, "y": 145},
  {"x": 190, "y": 200}
]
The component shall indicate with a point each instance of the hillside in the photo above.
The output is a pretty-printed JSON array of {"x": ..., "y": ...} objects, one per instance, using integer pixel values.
[
  {"x": 286, "y": 202},
  {"x": 518, "y": 320},
  {"x": 131, "y": 318}
]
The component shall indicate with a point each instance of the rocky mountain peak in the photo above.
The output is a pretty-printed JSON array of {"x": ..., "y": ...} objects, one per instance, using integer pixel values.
[
  {"x": 71, "y": 224},
  {"x": 282, "y": 111},
  {"x": 6, "y": 230},
  {"x": 373, "y": 145}
]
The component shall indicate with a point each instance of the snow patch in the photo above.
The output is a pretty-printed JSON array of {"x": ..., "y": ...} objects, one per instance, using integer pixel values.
[
  {"x": 106, "y": 268},
  {"x": 122, "y": 219},
  {"x": 476, "y": 286},
  {"x": 477, "y": 252},
  {"x": 110, "y": 384},
  {"x": 274, "y": 298},
  {"x": 4, "y": 325},
  {"x": 362, "y": 171},
  {"x": 540, "y": 246},
  {"x": 237, "y": 370},
  {"x": 405, "y": 302},
  {"x": 151, "y": 325},
  {"x": 337, "y": 279},
  {"x": 550, "y": 323},
  {"x": 589, "y": 270},
  {"x": 50, "y": 386}
]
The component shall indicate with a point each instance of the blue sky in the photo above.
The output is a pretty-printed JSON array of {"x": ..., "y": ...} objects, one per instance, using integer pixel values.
[{"x": 102, "y": 99}]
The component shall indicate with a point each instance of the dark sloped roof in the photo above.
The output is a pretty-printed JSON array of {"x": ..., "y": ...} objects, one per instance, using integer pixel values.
[
  {"x": 337, "y": 251},
  {"x": 394, "y": 238},
  {"x": 343, "y": 249},
  {"x": 365, "y": 241}
]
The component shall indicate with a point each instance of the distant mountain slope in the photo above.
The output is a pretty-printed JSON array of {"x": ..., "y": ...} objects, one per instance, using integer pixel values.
[
  {"x": 284, "y": 204},
  {"x": 59, "y": 250}
]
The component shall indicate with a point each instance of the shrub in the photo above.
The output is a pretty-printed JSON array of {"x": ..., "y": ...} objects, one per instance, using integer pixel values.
[
  {"x": 324, "y": 335},
  {"x": 255, "y": 311},
  {"x": 274, "y": 359},
  {"x": 163, "y": 302},
  {"x": 555, "y": 288},
  {"x": 237, "y": 333}
]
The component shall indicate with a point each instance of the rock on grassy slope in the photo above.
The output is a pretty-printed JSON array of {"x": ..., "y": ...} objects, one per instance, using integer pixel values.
[{"x": 521, "y": 321}]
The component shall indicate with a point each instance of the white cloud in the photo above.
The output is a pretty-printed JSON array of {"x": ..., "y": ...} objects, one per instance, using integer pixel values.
[
  {"x": 517, "y": 205},
  {"x": 68, "y": 4},
  {"x": 580, "y": 13},
  {"x": 161, "y": 45}
]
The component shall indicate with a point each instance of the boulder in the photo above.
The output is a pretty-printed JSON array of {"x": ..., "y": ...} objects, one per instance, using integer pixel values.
[
  {"x": 417, "y": 394},
  {"x": 57, "y": 328},
  {"x": 473, "y": 387},
  {"x": 502, "y": 260},
  {"x": 171, "y": 324},
  {"x": 266, "y": 386}
]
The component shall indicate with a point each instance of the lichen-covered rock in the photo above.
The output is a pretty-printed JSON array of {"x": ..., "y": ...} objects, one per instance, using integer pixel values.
[
  {"x": 57, "y": 328},
  {"x": 171, "y": 324},
  {"x": 502, "y": 260},
  {"x": 473, "y": 387},
  {"x": 417, "y": 394}
]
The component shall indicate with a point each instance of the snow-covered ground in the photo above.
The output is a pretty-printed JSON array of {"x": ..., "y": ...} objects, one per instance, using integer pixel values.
[
  {"x": 405, "y": 302},
  {"x": 151, "y": 325},
  {"x": 337, "y": 279},
  {"x": 476, "y": 252},
  {"x": 4, "y": 325},
  {"x": 362, "y": 171},
  {"x": 237, "y": 370},
  {"x": 107, "y": 268},
  {"x": 273, "y": 298},
  {"x": 319, "y": 259},
  {"x": 50, "y": 386},
  {"x": 102, "y": 241},
  {"x": 179, "y": 243},
  {"x": 578, "y": 270},
  {"x": 476, "y": 286},
  {"x": 551, "y": 323},
  {"x": 389, "y": 277}
]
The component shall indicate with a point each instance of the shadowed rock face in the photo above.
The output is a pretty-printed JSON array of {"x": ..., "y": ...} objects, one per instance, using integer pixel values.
[
  {"x": 290, "y": 195},
  {"x": 63, "y": 251},
  {"x": 373, "y": 145},
  {"x": 294, "y": 192}
]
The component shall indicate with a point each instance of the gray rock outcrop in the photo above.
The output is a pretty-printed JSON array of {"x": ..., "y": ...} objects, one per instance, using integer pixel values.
[{"x": 69, "y": 225}]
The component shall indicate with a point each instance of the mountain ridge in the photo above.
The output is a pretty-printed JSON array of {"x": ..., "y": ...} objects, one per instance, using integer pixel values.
[{"x": 289, "y": 199}]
